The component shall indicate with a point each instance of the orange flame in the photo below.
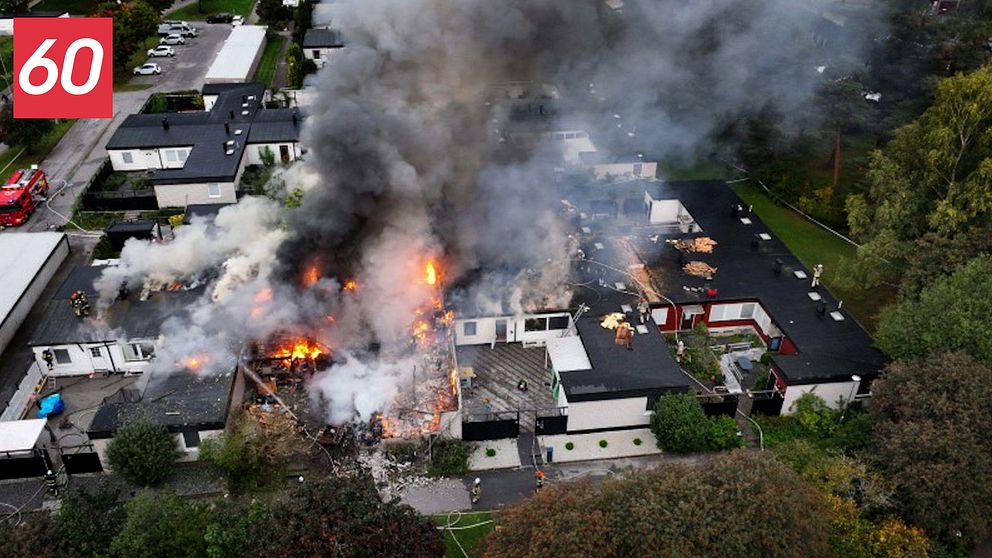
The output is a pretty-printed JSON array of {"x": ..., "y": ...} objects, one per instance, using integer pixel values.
[
  {"x": 194, "y": 363},
  {"x": 310, "y": 276},
  {"x": 256, "y": 312},
  {"x": 350, "y": 285},
  {"x": 263, "y": 295},
  {"x": 430, "y": 273},
  {"x": 300, "y": 348}
]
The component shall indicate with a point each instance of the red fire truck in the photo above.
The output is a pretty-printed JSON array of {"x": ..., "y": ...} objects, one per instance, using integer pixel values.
[{"x": 20, "y": 196}]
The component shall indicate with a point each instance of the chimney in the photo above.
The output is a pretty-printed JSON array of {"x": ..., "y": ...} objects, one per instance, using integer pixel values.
[
  {"x": 227, "y": 127},
  {"x": 755, "y": 242},
  {"x": 165, "y": 123},
  {"x": 777, "y": 266},
  {"x": 821, "y": 307},
  {"x": 244, "y": 99},
  {"x": 231, "y": 113},
  {"x": 295, "y": 118}
]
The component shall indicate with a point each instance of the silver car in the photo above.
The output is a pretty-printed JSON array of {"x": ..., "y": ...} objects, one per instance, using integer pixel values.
[
  {"x": 173, "y": 39},
  {"x": 161, "y": 50},
  {"x": 148, "y": 69}
]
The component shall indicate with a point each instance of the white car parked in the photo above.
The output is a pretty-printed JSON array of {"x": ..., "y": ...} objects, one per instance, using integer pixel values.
[
  {"x": 148, "y": 69},
  {"x": 173, "y": 39},
  {"x": 161, "y": 50}
]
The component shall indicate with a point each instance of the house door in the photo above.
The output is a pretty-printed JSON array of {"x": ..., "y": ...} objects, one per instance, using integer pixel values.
[
  {"x": 687, "y": 320},
  {"x": 501, "y": 330},
  {"x": 284, "y": 153},
  {"x": 98, "y": 357}
]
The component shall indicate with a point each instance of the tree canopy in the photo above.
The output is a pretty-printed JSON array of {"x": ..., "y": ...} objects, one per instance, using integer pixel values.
[
  {"x": 955, "y": 313},
  {"x": 935, "y": 176},
  {"x": 134, "y": 22},
  {"x": 738, "y": 504},
  {"x": 932, "y": 443},
  {"x": 143, "y": 452}
]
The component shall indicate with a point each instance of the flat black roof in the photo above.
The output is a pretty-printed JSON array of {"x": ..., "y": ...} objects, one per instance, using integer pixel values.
[
  {"x": 204, "y": 210},
  {"x": 217, "y": 137},
  {"x": 828, "y": 350},
  {"x": 124, "y": 319},
  {"x": 647, "y": 370},
  {"x": 322, "y": 38},
  {"x": 180, "y": 401}
]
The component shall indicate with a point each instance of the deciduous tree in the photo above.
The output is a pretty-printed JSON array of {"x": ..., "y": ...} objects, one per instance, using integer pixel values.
[
  {"x": 932, "y": 443},
  {"x": 160, "y": 524},
  {"x": 143, "y": 452},
  {"x": 679, "y": 423},
  {"x": 738, "y": 504},
  {"x": 955, "y": 313},
  {"x": 344, "y": 517},
  {"x": 89, "y": 521}
]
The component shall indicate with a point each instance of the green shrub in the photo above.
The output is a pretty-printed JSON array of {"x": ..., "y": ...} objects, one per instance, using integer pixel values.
[
  {"x": 603, "y": 443},
  {"x": 722, "y": 434},
  {"x": 766, "y": 357},
  {"x": 449, "y": 458},
  {"x": 143, "y": 452},
  {"x": 638, "y": 441},
  {"x": 679, "y": 423},
  {"x": 814, "y": 415},
  {"x": 104, "y": 250},
  {"x": 490, "y": 452},
  {"x": 569, "y": 446},
  {"x": 701, "y": 329}
]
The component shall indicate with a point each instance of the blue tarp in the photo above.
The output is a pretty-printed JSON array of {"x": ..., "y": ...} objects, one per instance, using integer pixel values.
[{"x": 51, "y": 406}]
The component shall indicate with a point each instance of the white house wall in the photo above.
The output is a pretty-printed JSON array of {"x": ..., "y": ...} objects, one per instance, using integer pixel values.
[
  {"x": 145, "y": 159},
  {"x": 253, "y": 152},
  {"x": 84, "y": 363},
  {"x": 648, "y": 169},
  {"x": 181, "y": 195},
  {"x": 515, "y": 330},
  {"x": 609, "y": 413},
  {"x": 834, "y": 394},
  {"x": 323, "y": 56}
]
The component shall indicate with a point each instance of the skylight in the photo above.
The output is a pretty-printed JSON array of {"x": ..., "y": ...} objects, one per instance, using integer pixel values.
[
  {"x": 814, "y": 295},
  {"x": 837, "y": 316},
  {"x": 800, "y": 274}
]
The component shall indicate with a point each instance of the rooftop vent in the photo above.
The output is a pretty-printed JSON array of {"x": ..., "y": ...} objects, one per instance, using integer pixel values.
[
  {"x": 227, "y": 127},
  {"x": 837, "y": 316},
  {"x": 231, "y": 114},
  {"x": 777, "y": 266},
  {"x": 295, "y": 118},
  {"x": 165, "y": 123},
  {"x": 821, "y": 307},
  {"x": 813, "y": 295},
  {"x": 800, "y": 274}
]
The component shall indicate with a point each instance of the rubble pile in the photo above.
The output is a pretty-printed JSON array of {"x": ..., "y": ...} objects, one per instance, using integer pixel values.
[
  {"x": 699, "y": 269},
  {"x": 699, "y": 245}
]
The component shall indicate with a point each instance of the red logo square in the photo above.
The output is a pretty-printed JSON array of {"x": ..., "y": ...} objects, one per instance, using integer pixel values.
[{"x": 62, "y": 68}]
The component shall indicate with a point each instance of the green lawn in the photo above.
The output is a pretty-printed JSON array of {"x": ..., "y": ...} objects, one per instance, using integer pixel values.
[
  {"x": 17, "y": 158},
  {"x": 267, "y": 65},
  {"x": 698, "y": 170},
  {"x": 74, "y": 7},
  {"x": 469, "y": 539},
  {"x": 813, "y": 245},
  {"x": 192, "y": 12}
]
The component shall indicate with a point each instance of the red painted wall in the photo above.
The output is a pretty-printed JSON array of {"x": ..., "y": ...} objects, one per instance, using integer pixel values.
[{"x": 674, "y": 319}]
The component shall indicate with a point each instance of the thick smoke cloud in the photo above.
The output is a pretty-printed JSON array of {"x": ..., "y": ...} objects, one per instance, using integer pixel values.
[{"x": 404, "y": 164}]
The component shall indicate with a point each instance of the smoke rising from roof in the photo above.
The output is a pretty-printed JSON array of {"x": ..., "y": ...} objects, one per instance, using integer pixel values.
[{"x": 405, "y": 163}]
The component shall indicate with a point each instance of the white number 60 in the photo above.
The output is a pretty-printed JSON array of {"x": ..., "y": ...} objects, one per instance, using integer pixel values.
[{"x": 38, "y": 60}]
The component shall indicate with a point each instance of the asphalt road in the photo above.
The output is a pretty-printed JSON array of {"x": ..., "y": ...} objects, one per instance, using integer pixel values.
[{"x": 78, "y": 155}]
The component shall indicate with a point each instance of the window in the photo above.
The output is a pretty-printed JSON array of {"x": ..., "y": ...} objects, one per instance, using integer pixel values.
[
  {"x": 638, "y": 168},
  {"x": 213, "y": 190},
  {"x": 127, "y": 157},
  {"x": 558, "y": 322},
  {"x": 316, "y": 54},
  {"x": 747, "y": 310},
  {"x": 191, "y": 438},
  {"x": 62, "y": 356},
  {"x": 139, "y": 351},
  {"x": 95, "y": 352},
  {"x": 469, "y": 328},
  {"x": 717, "y": 313},
  {"x": 536, "y": 324},
  {"x": 176, "y": 155}
]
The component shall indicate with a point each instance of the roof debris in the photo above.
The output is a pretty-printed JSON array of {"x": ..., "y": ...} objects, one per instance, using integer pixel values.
[
  {"x": 699, "y": 245},
  {"x": 699, "y": 269}
]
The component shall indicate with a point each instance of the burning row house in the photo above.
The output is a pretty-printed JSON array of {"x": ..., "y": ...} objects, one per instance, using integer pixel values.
[{"x": 657, "y": 259}]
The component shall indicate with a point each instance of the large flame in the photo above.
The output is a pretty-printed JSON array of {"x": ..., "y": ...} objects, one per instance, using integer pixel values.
[
  {"x": 194, "y": 363},
  {"x": 301, "y": 348},
  {"x": 430, "y": 273},
  {"x": 310, "y": 276}
]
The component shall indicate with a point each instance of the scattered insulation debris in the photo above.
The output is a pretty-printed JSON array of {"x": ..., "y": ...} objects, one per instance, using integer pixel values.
[
  {"x": 700, "y": 245},
  {"x": 612, "y": 321},
  {"x": 699, "y": 269}
]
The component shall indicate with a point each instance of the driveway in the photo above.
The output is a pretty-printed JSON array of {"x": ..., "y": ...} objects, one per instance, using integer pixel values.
[{"x": 77, "y": 156}]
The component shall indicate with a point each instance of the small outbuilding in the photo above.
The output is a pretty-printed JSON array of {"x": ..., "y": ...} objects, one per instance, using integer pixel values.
[{"x": 30, "y": 261}]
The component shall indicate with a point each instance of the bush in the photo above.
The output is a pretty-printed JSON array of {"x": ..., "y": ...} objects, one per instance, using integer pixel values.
[
  {"x": 143, "y": 452},
  {"x": 638, "y": 441},
  {"x": 722, "y": 434},
  {"x": 104, "y": 250},
  {"x": 814, "y": 415},
  {"x": 490, "y": 452},
  {"x": 250, "y": 452},
  {"x": 603, "y": 443},
  {"x": 449, "y": 458},
  {"x": 679, "y": 423},
  {"x": 701, "y": 329},
  {"x": 569, "y": 446}
]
